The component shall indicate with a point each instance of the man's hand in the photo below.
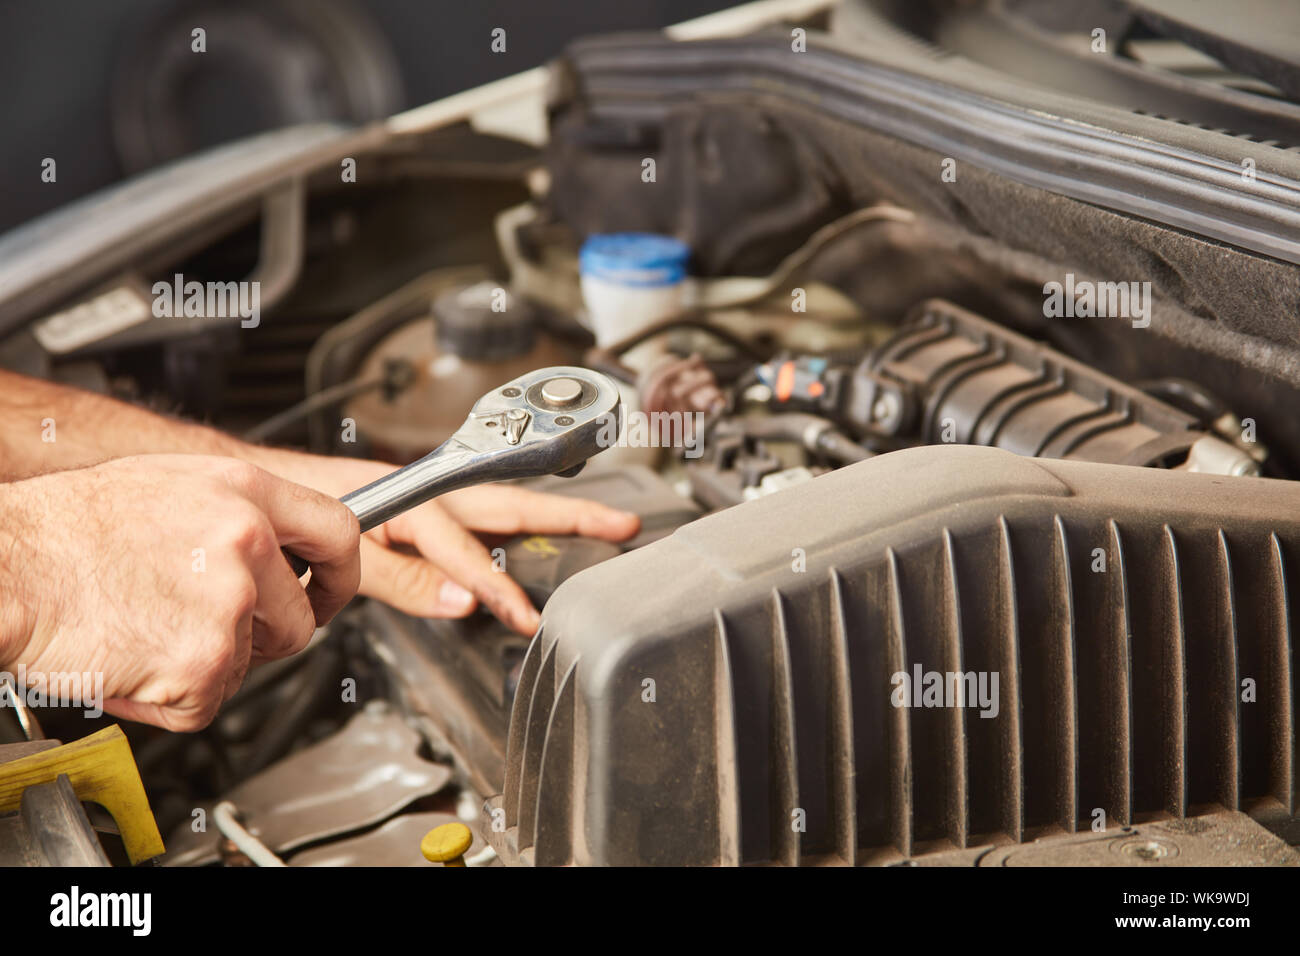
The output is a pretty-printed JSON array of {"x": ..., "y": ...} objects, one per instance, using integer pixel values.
[
  {"x": 428, "y": 562},
  {"x": 164, "y": 574},
  {"x": 451, "y": 571}
]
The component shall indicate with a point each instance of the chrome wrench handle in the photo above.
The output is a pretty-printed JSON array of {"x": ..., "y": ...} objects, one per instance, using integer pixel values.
[
  {"x": 546, "y": 422},
  {"x": 446, "y": 469}
]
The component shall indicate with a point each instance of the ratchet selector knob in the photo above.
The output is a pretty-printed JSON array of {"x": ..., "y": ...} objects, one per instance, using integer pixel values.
[{"x": 516, "y": 422}]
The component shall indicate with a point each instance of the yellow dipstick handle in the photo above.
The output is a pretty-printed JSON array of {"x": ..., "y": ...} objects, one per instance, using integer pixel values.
[
  {"x": 447, "y": 844},
  {"x": 101, "y": 770}
]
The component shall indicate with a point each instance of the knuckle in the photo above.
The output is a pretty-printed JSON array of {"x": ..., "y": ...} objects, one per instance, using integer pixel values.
[
  {"x": 185, "y": 721},
  {"x": 194, "y": 715},
  {"x": 206, "y": 710},
  {"x": 250, "y": 534},
  {"x": 198, "y": 705},
  {"x": 416, "y": 577}
]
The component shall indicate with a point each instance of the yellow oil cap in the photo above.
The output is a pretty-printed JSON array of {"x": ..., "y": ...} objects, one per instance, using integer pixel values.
[{"x": 447, "y": 844}]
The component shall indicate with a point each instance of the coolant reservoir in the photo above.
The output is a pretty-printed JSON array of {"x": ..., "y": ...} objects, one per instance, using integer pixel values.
[{"x": 631, "y": 280}]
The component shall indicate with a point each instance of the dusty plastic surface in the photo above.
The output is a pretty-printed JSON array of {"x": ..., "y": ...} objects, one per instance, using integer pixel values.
[{"x": 768, "y": 733}]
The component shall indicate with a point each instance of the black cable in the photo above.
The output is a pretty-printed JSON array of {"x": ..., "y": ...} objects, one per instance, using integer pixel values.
[
  {"x": 690, "y": 320},
  {"x": 814, "y": 433},
  {"x": 397, "y": 375}
]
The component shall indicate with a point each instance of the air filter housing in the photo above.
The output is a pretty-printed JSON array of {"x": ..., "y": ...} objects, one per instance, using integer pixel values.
[{"x": 728, "y": 694}]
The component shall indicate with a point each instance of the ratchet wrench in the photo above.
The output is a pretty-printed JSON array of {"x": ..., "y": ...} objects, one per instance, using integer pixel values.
[{"x": 546, "y": 422}]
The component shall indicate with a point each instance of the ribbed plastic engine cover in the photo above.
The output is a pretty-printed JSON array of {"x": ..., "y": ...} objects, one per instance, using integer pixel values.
[{"x": 723, "y": 695}]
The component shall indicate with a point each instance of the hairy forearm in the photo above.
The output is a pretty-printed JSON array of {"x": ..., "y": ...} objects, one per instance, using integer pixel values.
[
  {"x": 16, "y": 612},
  {"x": 46, "y": 427}
]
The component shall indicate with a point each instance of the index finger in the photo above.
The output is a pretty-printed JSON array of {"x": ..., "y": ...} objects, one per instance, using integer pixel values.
[{"x": 322, "y": 531}]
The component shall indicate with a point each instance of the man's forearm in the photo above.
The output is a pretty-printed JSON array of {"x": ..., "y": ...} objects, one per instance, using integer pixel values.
[
  {"x": 16, "y": 611},
  {"x": 46, "y": 427}
]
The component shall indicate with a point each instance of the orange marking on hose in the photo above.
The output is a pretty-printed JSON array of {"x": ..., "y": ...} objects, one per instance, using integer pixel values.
[{"x": 785, "y": 382}]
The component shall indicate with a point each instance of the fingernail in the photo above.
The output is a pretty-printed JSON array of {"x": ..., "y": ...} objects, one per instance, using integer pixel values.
[
  {"x": 454, "y": 598},
  {"x": 530, "y": 619},
  {"x": 623, "y": 519}
]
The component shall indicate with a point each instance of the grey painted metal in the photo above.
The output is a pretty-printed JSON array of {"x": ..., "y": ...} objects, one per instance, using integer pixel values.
[{"x": 360, "y": 776}]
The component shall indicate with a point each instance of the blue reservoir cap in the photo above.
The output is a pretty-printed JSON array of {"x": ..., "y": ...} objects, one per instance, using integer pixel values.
[{"x": 634, "y": 258}]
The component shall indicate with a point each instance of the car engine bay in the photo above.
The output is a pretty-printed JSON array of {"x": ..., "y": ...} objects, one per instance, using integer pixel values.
[{"x": 902, "y": 435}]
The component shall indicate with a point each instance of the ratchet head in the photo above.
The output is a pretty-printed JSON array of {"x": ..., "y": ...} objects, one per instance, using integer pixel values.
[{"x": 545, "y": 422}]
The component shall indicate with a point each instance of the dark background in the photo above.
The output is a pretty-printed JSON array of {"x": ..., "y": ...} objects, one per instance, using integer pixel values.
[{"x": 75, "y": 74}]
